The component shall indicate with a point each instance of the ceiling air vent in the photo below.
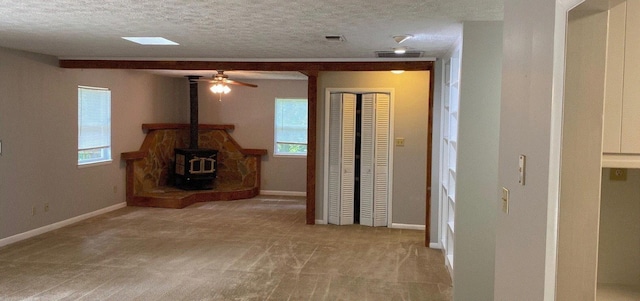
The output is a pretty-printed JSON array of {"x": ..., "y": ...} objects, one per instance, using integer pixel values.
[
  {"x": 391, "y": 54},
  {"x": 335, "y": 38}
]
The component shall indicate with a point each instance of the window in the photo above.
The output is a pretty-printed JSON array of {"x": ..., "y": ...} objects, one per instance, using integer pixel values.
[
  {"x": 94, "y": 125},
  {"x": 291, "y": 127}
]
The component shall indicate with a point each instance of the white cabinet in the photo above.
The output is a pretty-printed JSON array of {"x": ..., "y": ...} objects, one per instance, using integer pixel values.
[
  {"x": 449, "y": 155},
  {"x": 621, "y": 134},
  {"x": 619, "y": 237}
]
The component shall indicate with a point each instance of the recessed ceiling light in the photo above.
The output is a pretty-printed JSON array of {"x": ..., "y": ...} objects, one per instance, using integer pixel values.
[
  {"x": 150, "y": 40},
  {"x": 400, "y": 50},
  {"x": 391, "y": 54}
]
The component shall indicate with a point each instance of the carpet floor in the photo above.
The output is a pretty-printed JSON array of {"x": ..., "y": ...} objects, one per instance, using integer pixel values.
[{"x": 256, "y": 249}]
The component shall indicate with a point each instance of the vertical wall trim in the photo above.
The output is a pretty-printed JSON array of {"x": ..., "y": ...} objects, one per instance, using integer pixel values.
[
  {"x": 427, "y": 221},
  {"x": 557, "y": 102}
]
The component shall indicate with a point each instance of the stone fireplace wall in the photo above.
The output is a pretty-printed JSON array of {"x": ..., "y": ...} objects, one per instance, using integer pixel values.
[{"x": 152, "y": 166}]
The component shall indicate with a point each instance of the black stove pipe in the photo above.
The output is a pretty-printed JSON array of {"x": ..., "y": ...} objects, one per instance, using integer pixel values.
[{"x": 193, "y": 106}]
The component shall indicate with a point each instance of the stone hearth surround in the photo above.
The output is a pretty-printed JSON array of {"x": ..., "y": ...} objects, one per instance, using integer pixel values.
[{"x": 150, "y": 169}]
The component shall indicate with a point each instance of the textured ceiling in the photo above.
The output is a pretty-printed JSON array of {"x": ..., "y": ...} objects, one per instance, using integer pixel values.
[{"x": 236, "y": 29}]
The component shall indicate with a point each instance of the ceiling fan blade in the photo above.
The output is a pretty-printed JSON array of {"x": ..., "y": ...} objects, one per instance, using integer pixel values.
[{"x": 235, "y": 82}]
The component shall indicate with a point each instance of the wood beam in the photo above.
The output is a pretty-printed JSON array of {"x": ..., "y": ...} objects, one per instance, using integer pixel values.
[
  {"x": 312, "y": 96},
  {"x": 304, "y": 67}
]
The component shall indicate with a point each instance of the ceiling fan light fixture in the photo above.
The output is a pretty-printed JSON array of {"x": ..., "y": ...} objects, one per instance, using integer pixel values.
[{"x": 220, "y": 88}]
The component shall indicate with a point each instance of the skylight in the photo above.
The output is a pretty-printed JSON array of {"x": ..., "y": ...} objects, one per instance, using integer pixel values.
[{"x": 150, "y": 40}]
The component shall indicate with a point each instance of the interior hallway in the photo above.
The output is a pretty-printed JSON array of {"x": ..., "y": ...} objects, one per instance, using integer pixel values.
[{"x": 257, "y": 249}]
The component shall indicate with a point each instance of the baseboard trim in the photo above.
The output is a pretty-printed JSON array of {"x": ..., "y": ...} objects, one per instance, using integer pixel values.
[
  {"x": 407, "y": 226},
  {"x": 283, "y": 193},
  {"x": 60, "y": 224},
  {"x": 435, "y": 245},
  {"x": 320, "y": 222}
]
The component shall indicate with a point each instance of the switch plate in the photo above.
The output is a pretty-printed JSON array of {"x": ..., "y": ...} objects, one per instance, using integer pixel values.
[
  {"x": 505, "y": 200},
  {"x": 521, "y": 169},
  {"x": 618, "y": 174},
  {"x": 399, "y": 141}
]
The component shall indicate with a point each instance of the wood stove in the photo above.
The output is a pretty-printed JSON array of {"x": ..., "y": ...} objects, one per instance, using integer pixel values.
[{"x": 195, "y": 168}]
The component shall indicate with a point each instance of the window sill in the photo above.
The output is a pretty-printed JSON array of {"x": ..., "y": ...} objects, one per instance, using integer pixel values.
[
  {"x": 290, "y": 156},
  {"x": 85, "y": 165}
]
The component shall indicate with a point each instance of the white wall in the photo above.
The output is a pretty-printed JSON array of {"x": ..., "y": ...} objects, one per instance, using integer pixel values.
[
  {"x": 477, "y": 163},
  {"x": 524, "y": 129},
  {"x": 532, "y": 89},
  {"x": 251, "y": 110},
  {"x": 38, "y": 129},
  {"x": 411, "y": 121},
  {"x": 619, "y": 251}
]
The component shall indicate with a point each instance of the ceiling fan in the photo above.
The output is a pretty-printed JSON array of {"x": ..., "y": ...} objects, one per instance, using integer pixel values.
[{"x": 221, "y": 81}]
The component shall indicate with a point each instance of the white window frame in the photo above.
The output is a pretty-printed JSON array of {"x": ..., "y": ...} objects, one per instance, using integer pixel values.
[
  {"x": 104, "y": 150},
  {"x": 277, "y": 153}
]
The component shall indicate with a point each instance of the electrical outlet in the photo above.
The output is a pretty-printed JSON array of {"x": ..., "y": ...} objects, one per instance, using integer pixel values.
[
  {"x": 46, "y": 207},
  {"x": 399, "y": 141},
  {"x": 618, "y": 174},
  {"x": 33, "y": 210},
  {"x": 115, "y": 188}
]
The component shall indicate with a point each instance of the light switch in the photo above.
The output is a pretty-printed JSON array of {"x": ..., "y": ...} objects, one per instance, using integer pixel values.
[
  {"x": 399, "y": 141},
  {"x": 505, "y": 200},
  {"x": 521, "y": 169}
]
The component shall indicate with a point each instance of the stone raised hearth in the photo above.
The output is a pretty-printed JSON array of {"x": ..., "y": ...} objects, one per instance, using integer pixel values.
[{"x": 150, "y": 169}]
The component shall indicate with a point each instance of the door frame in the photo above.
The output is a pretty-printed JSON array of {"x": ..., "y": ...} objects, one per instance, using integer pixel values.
[{"x": 325, "y": 176}]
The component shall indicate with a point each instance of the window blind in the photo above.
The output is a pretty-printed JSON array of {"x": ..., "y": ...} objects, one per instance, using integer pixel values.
[
  {"x": 291, "y": 126},
  {"x": 94, "y": 125}
]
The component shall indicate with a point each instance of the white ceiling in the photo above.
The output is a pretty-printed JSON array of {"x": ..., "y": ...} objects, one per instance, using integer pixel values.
[{"x": 236, "y": 29}]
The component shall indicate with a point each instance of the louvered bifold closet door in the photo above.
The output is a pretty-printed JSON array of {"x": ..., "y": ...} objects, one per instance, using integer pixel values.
[
  {"x": 342, "y": 139},
  {"x": 335, "y": 160},
  {"x": 381, "y": 167},
  {"x": 348, "y": 158},
  {"x": 367, "y": 159}
]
